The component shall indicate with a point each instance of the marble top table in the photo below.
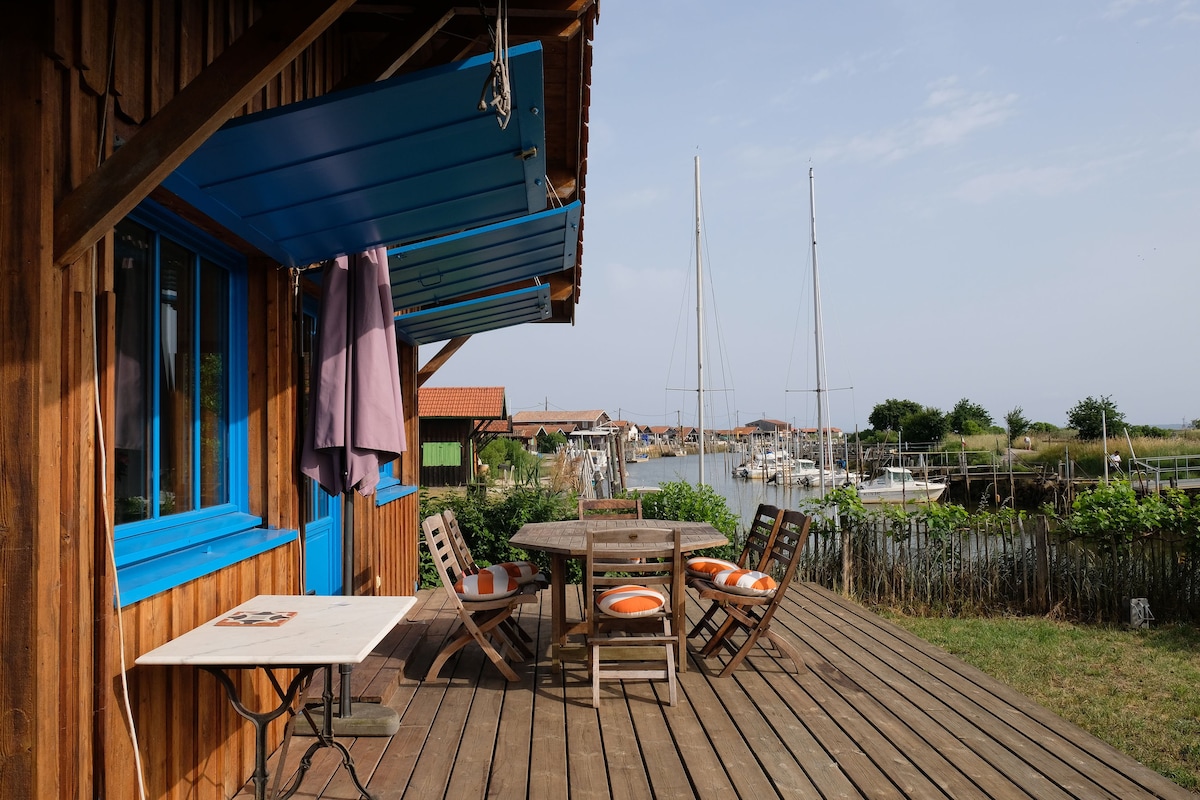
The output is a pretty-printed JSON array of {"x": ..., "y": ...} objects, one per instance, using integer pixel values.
[
  {"x": 308, "y": 629},
  {"x": 302, "y": 632}
]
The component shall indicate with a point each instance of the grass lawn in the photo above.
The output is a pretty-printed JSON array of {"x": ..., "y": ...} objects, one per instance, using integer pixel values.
[{"x": 1137, "y": 690}]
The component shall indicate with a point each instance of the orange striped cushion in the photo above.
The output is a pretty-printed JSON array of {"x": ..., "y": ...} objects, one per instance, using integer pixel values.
[
  {"x": 745, "y": 581},
  {"x": 520, "y": 571},
  {"x": 630, "y": 601},
  {"x": 490, "y": 583},
  {"x": 705, "y": 567}
]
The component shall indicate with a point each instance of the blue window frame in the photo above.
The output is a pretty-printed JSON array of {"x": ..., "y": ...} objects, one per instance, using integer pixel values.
[{"x": 182, "y": 486}]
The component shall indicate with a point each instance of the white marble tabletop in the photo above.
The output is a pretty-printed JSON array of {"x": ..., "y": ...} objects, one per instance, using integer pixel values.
[{"x": 287, "y": 630}]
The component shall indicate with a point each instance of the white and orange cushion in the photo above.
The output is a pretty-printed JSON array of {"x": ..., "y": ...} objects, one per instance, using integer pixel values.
[
  {"x": 520, "y": 571},
  {"x": 705, "y": 567},
  {"x": 490, "y": 583},
  {"x": 745, "y": 581},
  {"x": 630, "y": 601}
]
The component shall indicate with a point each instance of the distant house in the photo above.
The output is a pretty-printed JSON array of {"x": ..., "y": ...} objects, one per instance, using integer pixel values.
[
  {"x": 630, "y": 431},
  {"x": 830, "y": 433},
  {"x": 659, "y": 434},
  {"x": 566, "y": 421},
  {"x": 455, "y": 424},
  {"x": 769, "y": 426}
]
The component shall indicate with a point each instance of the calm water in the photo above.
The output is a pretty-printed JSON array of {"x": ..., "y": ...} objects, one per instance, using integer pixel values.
[{"x": 741, "y": 495}]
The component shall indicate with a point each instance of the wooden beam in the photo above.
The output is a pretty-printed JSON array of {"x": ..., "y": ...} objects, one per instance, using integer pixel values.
[
  {"x": 434, "y": 364},
  {"x": 394, "y": 51},
  {"x": 167, "y": 139}
]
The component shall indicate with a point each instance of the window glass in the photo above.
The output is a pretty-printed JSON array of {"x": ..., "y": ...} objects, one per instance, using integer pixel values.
[
  {"x": 176, "y": 378},
  {"x": 172, "y": 377},
  {"x": 132, "y": 282},
  {"x": 214, "y": 384}
]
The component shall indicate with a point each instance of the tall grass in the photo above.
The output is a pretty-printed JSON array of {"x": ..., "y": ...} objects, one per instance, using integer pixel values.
[{"x": 1051, "y": 449}]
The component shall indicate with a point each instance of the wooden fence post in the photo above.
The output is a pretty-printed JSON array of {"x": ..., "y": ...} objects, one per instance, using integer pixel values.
[
  {"x": 847, "y": 571},
  {"x": 1042, "y": 560}
]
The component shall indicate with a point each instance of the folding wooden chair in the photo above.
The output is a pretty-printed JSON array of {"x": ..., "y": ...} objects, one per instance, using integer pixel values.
[
  {"x": 468, "y": 566},
  {"x": 751, "y": 597},
  {"x": 479, "y": 620},
  {"x": 628, "y": 615},
  {"x": 616, "y": 508},
  {"x": 701, "y": 570}
]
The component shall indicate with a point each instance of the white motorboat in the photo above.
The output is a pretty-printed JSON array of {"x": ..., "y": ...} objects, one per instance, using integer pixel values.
[
  {"x": 806, "y": 473},
  {"x": 899, "y": 485},
  {"x": 765, "y": 465}
]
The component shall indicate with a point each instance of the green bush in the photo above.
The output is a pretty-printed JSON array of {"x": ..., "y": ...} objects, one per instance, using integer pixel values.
[
  {"x": 488, "y": 521},
  {"x": 680, "y": 500}
]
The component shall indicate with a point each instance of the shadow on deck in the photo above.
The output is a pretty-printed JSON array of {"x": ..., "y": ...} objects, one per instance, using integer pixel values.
[{"x": 876, "y": 713}]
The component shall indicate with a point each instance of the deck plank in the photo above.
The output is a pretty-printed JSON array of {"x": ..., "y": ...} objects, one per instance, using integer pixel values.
[{"x": 874, "y": 712}]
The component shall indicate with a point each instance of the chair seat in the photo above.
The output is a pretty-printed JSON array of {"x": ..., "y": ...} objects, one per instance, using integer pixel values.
[
  {"x": 490, "y": 583},
  {"x": 749, "y": 582},
  {"x": 706, "y": 567},
  {"x": 631, "y": 601}
]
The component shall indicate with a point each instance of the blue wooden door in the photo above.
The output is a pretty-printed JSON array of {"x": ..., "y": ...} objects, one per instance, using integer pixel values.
[{"x": 323, "y": 533}]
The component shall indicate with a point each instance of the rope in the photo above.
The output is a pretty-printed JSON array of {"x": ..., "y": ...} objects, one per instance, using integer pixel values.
[{"x": 498, "y": 80}]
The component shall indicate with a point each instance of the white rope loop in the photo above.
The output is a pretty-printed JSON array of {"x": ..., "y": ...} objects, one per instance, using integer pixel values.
[{"x": 498, "y": 80}]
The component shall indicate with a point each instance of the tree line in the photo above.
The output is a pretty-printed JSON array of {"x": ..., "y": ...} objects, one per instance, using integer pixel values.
[{"x": 1089, "y": 418}]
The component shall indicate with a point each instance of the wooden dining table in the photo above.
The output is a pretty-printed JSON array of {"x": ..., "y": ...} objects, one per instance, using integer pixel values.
[{"x": 567, "y": 539}]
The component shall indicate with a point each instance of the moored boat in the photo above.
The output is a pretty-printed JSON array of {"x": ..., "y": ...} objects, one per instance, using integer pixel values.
[{"x": 899, "y": 485}]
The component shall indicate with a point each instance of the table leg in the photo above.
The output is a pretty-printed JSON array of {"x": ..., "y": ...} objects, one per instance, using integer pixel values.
[
  {"x": 325, "y": 738},
  {"x": 678, "y": 620},
  {"x": 260, "y": 720},
  {"x": 558, "y": 606}
]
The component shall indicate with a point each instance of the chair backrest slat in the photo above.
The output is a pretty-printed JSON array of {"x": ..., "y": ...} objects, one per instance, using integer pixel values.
[
  {"x": 657, "y": 550},
  {"x": 611, "y": 508},
  {"x": 760, "y": 536},
  {"x": 784, "y": 557},
  {"x": 458, "y": 542},
  {"x": 444, "y": 558}
]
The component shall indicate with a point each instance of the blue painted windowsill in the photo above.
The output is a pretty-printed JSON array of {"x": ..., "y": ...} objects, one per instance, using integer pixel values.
[{"x": 147, "y": 577}]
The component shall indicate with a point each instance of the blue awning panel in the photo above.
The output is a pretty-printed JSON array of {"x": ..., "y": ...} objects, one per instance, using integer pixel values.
[
  {"x": 440, "y": 270},
  {"x": 475, "y": 316},
  {"x": 388, "y": 163}
]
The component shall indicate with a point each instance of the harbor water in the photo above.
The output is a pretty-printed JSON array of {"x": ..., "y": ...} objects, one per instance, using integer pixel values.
[{"x": 742, "y": 496}]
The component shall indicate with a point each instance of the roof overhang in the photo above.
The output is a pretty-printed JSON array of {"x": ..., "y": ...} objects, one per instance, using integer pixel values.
[
  {"x": 484, "y": 259},
  {"x": 387, "y": 163},
  {"x": 469, "y": 317}
]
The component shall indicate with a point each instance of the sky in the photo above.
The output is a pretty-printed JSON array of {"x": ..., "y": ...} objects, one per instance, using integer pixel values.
[{"x": 1007, "y": 210}]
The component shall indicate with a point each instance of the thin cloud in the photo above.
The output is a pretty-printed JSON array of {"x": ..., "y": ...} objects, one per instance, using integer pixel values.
[
  {"x": 1121, "y": 8},
  {"x": 1040, "y": 181},
  {"x": 953, "y": 115}
]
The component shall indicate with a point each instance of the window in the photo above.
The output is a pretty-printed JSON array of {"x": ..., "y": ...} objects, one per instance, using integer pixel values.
[{"x": 181, "y": 489}]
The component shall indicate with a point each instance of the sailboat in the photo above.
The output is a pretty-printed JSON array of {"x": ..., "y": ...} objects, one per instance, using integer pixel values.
[{"x": 826, "y": 475}]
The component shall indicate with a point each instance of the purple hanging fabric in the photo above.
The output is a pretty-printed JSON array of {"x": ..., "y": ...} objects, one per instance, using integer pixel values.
[{"x": 356, "y": 415}]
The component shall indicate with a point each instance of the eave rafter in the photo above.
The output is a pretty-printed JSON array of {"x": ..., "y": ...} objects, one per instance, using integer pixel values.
[{"x": 167, "y": 139}]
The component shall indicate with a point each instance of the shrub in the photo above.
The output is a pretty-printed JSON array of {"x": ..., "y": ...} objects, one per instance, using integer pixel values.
[
  {"x": 680, "y": 500},
  {"x": 488, "y": 521}
]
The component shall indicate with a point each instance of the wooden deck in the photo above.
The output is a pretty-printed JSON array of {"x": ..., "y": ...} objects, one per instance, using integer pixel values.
[{"x": 877, "y": 713}]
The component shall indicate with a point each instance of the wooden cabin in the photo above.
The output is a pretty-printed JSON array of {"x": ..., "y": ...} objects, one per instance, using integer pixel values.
[
  {"x": 456, "y": 423},
  {"x": 169, "y": 172}
]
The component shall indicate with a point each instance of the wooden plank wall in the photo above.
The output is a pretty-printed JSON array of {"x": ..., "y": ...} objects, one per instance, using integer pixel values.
[{"x": 78, "y": 77}]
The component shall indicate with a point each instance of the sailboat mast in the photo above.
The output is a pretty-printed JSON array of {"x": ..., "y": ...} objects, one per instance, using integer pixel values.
[
  {"x": 820, "y": 345},
  {"x": 699, "y": 330}
]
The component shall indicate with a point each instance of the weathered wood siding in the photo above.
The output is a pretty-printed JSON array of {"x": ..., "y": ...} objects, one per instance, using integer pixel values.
[{"x": 77, "y": 78}]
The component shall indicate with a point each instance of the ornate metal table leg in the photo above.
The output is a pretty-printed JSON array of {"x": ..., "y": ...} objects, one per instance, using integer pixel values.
[
  {"x": 260, "y": 720},
  {"x": 325, "y": 738}
]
